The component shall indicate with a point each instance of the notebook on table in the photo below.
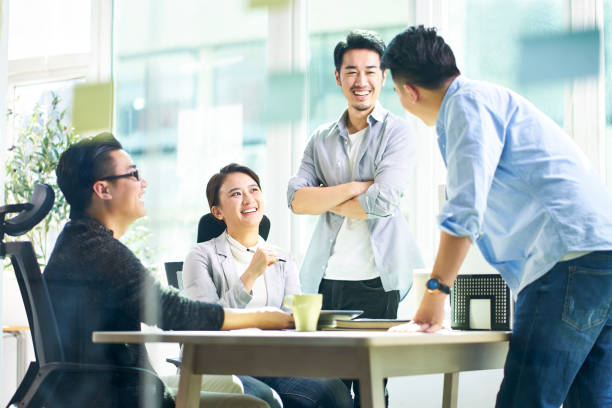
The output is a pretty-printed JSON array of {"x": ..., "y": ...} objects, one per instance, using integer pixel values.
[{"x": 367, "y": 324}]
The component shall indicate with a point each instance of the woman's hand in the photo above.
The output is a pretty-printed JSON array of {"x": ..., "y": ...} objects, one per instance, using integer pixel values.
[
  {"x": 266, "y": 318},
  {"x": 263, "y": 258}
]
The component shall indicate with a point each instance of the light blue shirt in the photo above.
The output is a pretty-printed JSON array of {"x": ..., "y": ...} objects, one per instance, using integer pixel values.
[
  {"x": 517, "y": 185},
  {"x": 386, "y": 156}
]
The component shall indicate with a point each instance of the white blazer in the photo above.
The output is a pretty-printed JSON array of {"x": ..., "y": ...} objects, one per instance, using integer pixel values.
[{"x": 209, "y": 274}]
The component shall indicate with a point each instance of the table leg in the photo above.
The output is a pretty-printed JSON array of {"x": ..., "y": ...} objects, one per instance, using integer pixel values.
[
  {"x": 189, "y": 383},
  {"x": 371, "y": 391},
  {"x": 451, "y": 390}
]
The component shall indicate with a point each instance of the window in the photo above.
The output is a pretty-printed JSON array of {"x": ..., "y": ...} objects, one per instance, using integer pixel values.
[
  {"x": 50, "y": 58},
  {"x": 189, "y": 81},
  {"x": 486, "y": 35},
  {"x": 48, "y": 28}
]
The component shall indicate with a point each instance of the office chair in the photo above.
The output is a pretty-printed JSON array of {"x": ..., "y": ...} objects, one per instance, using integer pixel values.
[
  {"x": 209, "y": 227},
  {"x": 51, "y": 381},
  {"x": 172, "y": 270}
]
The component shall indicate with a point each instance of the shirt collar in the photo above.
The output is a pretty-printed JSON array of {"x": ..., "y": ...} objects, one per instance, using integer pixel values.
[
  {"x": 452, "y": 89},
  {"x": 377, "y": 115},
  {"x": 224, "y": 242}
]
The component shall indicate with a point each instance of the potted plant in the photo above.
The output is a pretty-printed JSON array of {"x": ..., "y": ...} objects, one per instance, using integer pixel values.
[{"x": 40, "y": 139}]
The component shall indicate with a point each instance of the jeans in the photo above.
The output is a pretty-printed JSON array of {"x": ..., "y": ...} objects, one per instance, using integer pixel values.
[
  {"x": 310, "y": 392},
  {"x": 561, "y": 346},
  {"x": 366, "y": 295},
  {"x": 256, "y": 388}
]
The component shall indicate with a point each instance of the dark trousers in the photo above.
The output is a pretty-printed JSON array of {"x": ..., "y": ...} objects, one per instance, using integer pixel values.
[{"x": 367, "y": 295}]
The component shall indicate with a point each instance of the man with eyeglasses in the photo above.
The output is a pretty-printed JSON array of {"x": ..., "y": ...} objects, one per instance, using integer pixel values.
[{"x": 96, "y": 283}]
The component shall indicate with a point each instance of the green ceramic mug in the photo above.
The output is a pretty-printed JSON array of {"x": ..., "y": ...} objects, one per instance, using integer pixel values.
[{"x": 306, "y": 310}]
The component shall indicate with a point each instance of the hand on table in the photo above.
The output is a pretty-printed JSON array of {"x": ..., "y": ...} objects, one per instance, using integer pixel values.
[
  {"x": 272, "y": 318},
  {"x": 266, "y": 318},
  {"x": 428, "y": 318}
]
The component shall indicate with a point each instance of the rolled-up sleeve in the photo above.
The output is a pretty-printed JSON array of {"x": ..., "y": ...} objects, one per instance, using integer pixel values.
[
  {"x": 474, "y": 144},
  {"x": 306, "y": 175},
  {"x": 392, "y": 173}
]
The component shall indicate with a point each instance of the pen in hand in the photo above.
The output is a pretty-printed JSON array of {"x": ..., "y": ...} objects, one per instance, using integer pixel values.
[{"x": 279, "y": 259}]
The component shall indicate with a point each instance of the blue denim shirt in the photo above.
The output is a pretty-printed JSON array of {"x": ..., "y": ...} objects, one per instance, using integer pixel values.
[
  {"x": 517, "y": 185},
  {"x": 386, "y": 156}
]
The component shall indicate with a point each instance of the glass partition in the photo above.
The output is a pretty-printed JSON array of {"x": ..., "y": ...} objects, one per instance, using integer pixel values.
[
  {"x": 188, "y": 84},
  {"x": 486, "y": 37}
]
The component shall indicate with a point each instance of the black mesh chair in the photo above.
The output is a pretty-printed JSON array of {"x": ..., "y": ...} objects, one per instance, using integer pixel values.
[
  {"x": 51, "y": 381},
  {"x": 209, "y": 227},
  {"x": 172, "y": 270}
]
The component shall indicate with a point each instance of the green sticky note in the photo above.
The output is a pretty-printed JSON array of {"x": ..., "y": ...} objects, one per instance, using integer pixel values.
[
  {"x": 267, "y": 3},
  {"x": 284, "y": 97},
  {"x": 559, "y": 56},
  {"x": 92, "y": 108}
]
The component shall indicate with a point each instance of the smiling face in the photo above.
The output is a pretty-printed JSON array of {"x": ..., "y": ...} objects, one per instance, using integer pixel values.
[
  {"x": 241, "y": 203},
  {"x": 361, "y": 78},
  {"x": 126, "y": 192}
]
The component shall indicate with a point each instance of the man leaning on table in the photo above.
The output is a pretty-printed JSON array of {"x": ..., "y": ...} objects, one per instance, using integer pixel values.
[
  {"x": 520, "y": 189},
  {"x": 97, "y": 284},
  {"x": 353, "y": 173}
]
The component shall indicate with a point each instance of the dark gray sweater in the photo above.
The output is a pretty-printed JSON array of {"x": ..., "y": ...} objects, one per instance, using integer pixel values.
[{"x": 97, "y": 284}]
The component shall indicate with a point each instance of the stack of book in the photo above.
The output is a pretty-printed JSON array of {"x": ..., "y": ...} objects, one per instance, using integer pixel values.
[{"x": 366, "y": 324}]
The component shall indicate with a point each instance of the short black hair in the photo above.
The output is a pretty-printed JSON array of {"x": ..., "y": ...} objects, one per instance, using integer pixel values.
[
  {"x": 81, "y": 165},
  {"x": 215, "y": 182},
  {"x": 419, "y": 56},
  {"x": 358, "y": 40}
]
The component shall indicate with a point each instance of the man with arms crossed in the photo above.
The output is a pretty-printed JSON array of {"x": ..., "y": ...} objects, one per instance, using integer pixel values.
[
  {"x": 519, "y": 188},
  {"x": 354, "y": 173},
  {"x": 97, "y": 284}
]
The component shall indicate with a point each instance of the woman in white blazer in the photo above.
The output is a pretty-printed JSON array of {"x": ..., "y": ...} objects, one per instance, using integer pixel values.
[{"x": 239, "y": 269}]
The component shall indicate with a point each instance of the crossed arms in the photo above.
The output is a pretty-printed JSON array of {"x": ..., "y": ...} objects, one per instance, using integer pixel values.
[{"x": 340, "y": 199}]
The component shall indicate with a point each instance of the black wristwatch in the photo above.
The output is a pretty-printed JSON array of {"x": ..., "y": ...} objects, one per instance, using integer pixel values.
[{"x": 434, "y": 285}]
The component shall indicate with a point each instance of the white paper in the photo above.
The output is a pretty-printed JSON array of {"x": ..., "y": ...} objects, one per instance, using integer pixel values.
[{"x": 480, "y": 314}]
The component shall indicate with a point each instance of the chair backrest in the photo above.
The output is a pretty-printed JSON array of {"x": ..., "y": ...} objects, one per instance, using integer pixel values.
[
  {"x": 209, "y": 227},
  {"x": 172, "y": 271},
  {"x": 43, "y": 326}
]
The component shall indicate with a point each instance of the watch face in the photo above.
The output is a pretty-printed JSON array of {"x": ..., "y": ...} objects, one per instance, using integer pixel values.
[{"x": 433, "y": 284}]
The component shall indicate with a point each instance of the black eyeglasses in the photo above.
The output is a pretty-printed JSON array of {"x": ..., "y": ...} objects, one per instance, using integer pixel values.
[{"x": 132, "y": 174}]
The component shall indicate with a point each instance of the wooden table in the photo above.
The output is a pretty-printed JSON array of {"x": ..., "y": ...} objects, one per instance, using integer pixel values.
[{"x": 366, "y": 356}]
